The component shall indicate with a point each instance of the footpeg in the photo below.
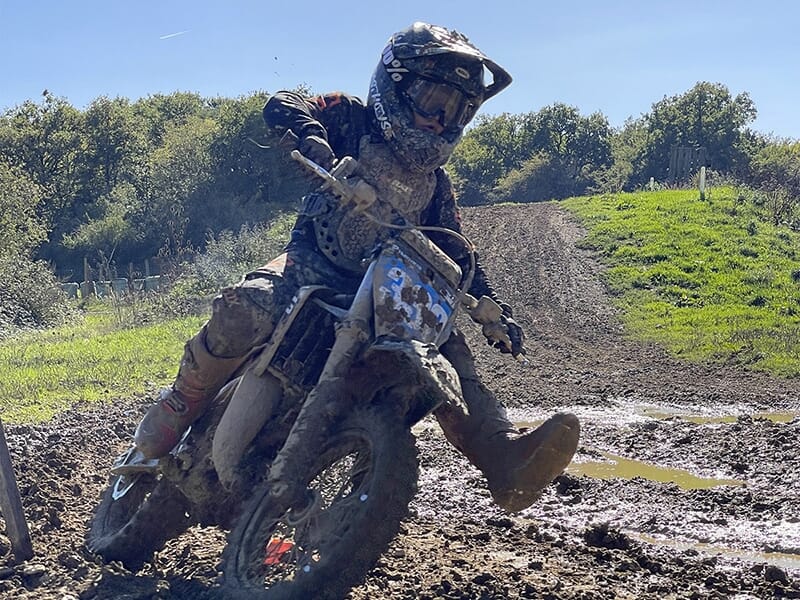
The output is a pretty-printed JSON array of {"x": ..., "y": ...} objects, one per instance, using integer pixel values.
[{"x": 133, "y": 462}]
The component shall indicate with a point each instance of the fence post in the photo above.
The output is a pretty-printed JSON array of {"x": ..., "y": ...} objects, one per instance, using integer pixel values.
[
  {"x": 702, "y": 183},
  {"x": 11, "y": 505}
]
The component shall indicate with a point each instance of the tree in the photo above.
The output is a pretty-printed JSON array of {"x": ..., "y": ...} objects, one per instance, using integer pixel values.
[
  {"x": 778, "y": 164},
  {"x": 581, "y": 146},
  {"x": 775, "y": 171},
  {"x": 45, "y": 140},
  {"x": 487, "y": 152},
  {"x": 160, "y": 111},
  {"x": 558, "y": 153},
  {"x": 474, "y": 171},
  {"x": 250, "y": 178},
  {"x": 179, "y": 175},
  {"x": 627, "y": 151},
  {"x": 114, "y": 233},
  {"x": 705, "y": 116},
  {"x": 114, "y": 144},
  {"x": 22, "y": 230}
]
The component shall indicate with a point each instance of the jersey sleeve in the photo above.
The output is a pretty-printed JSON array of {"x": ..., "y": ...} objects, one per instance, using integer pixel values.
[
  {"x": 335, "y": 117},
  {"x": 444, "y": 212}
]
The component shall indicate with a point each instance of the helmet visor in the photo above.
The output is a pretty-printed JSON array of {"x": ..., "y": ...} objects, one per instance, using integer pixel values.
[{"x": 451, "y": 107}]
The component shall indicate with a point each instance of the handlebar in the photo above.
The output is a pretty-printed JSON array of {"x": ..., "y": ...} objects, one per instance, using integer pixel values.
[
  {"x": 486, "y": 311},
  {"x": 333, "y": 181}
]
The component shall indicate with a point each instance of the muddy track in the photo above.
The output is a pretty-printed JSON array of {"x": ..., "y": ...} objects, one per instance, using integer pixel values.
[{"x": 708, "y": 508}]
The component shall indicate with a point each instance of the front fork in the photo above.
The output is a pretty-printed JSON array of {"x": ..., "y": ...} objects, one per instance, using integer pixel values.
[{"x": 322, "y": 406}]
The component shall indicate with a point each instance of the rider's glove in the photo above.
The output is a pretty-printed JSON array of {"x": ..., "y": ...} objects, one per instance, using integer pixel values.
[
  {"x": 499, "y": 327},
  {"x": 318, "y": 150},
  {"x": 516, "y": 335},
  {"x": 514, "y": 331}
]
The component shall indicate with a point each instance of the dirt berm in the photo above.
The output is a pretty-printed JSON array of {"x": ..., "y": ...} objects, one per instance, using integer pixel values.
[{"x": 686, "y": 483}]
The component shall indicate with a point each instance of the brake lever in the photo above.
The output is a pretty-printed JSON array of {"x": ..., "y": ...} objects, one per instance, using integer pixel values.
[{"x": 362, "y": 194}]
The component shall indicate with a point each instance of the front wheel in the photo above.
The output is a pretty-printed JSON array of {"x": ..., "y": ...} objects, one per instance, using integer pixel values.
[
  {"x": 359, "y": 490},
  {"x": 131, "y": 528}
]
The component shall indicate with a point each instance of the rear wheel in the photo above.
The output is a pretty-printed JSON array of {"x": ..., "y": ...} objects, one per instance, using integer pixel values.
[{"x": 358, "y": 493}]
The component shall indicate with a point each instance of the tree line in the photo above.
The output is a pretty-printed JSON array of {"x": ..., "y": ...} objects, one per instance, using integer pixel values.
[
  {"x": 557, "y": 152},
  {"x": 124, "y": 181}
]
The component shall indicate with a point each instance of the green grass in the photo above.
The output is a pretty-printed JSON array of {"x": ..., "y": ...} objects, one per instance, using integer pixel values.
[
  {"x": 123, "y": 348},
  {"x": 44, "y": 372},
  {"x": 707, "y": 279}
]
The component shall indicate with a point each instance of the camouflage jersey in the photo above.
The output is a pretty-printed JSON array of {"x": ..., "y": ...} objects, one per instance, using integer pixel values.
[{"x": 338, "y": 234}]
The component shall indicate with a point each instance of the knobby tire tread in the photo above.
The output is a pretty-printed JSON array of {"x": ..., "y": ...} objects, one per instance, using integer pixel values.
[
  {"x": 394, "y": 484},
  {"x": 161, "y": 517}
]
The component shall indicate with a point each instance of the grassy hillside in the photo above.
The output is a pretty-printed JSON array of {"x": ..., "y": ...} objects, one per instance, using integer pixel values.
[
  {"x": 47, "y": 371},
  {"x": 708, "y": 279},
  {"x": 122, "y": 348}
]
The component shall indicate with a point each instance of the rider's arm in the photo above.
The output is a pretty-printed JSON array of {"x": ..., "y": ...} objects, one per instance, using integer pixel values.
[
  {"x": 444, "y": 212},
  {"x": 337, "y": 118}
]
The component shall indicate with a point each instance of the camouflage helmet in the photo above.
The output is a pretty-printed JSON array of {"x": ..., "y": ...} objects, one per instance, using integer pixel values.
[{"x": 437, "y": 73}]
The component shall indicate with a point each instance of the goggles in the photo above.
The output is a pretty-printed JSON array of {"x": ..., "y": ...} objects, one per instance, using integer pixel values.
[{"x": 451, "y": 107}]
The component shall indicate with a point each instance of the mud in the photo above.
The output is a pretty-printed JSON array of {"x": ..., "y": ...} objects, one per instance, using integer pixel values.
[{"x": 686, "y": 483}]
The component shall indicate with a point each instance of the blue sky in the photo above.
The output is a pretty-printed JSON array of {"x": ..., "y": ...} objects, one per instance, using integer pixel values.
[{"x": 617, "y": 57}]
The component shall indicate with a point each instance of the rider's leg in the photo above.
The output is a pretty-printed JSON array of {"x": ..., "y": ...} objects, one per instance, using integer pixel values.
[
  {"x": 517, "y": 466},
  {"x": 242, "y": 317}
]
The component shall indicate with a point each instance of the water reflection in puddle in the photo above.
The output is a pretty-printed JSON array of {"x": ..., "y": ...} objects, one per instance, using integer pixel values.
[
  {"x": 623, "y": 413},
  {"x": 661, "y": 414},
  {"x": 625, "y": 468}
]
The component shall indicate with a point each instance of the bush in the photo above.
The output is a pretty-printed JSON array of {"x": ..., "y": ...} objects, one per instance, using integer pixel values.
[
  {"x": 541, "y": 177},
  {"x": 29, "y": 294},
  {"x": 189, "y": 284},
  {"x": 778, "y": 165},
  {"x": 227, "y": 257},
  {"x": 29, "y": 297}
]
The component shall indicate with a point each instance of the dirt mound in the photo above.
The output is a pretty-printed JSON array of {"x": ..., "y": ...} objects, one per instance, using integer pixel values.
[{"x": 707, "y": 508}]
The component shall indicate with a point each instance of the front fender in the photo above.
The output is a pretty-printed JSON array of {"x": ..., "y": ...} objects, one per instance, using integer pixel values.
[
  {"x": 411, "y": 378},
  {"x": 418, "y": 369}
]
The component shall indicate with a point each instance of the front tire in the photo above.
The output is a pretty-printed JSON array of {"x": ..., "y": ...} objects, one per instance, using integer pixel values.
[
  {"x": 132, "y": 528},
  {"x": 359, "y": 490}
]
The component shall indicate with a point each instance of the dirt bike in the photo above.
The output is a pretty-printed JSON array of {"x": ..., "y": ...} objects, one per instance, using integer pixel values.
[{"x": 307, "y": 454}]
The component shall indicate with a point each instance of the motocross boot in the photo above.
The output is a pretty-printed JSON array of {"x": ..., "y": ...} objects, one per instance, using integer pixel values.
[
  {"x": 200, "y": 376},
  {"x": 518, "y": 466}
]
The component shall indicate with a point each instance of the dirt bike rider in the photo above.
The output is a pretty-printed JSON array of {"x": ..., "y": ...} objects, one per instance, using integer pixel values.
[{"x": 426, "y": 88}]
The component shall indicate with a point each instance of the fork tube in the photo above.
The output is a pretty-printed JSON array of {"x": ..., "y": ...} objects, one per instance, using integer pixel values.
[{"x": 354, "y": 330}]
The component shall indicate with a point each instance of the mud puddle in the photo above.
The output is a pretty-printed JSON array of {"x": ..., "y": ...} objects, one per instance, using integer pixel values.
[
  {"x": 625, "y": 412},
  {"x": 718, "y": 415},
  {"x": 615, "y": 466},
  {"x": 706, "y": 480}
]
